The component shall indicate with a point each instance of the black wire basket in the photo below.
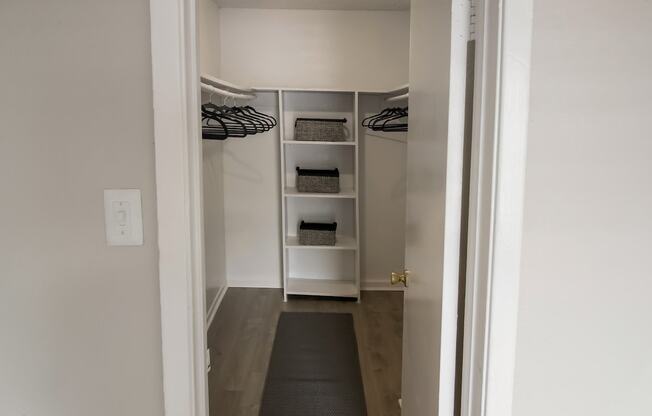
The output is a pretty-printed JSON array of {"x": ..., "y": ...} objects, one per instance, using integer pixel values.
[
  {"x": 317, "y": 233},
  {"x": 319, "y": 130},
  {"x": 318, "y": 180}
]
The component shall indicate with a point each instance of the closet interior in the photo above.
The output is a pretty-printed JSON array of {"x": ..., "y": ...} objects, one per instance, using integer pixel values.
[{"x": 304, "y": 127}]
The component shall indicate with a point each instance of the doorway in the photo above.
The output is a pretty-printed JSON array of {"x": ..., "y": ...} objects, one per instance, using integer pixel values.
[{"x": 193, "y": 251}]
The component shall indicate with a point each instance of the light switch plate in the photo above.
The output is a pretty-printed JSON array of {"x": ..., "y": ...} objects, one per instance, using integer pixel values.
[{"x": 123, "y": 217}]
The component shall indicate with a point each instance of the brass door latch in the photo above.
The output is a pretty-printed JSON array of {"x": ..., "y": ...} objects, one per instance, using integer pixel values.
[{"x": 400, "y": 278}]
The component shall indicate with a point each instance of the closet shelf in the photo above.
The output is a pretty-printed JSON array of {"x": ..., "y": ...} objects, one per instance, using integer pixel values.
[
  {"x": 399, "y": 90},
  {"x": 398, "y": 97},
  {"x": 348, "y": 143},
  {"x": 292, "y": 192},
  {"x": 224, "y": 85},
  {"x": 343, "y": 242},
  {"x": 322, "y": 287}
]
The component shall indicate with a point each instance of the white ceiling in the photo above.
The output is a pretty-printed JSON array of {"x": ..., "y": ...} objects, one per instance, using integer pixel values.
[{"x": 317, "y": 4}]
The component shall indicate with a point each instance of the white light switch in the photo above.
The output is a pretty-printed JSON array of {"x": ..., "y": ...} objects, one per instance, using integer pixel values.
[{"x": 123, "y": 217}]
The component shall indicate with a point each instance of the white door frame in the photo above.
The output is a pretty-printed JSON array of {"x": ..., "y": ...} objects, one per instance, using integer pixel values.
[
  {"x": 503, "y": 32},
  {"x": 501, "y": 109},
  {"x": 177, "y": 139}
]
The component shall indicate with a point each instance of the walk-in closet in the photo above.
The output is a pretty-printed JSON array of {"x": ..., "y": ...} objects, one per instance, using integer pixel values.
[
  {"x": 305, "y": 68},
  {"x": 271, "y": 218}
]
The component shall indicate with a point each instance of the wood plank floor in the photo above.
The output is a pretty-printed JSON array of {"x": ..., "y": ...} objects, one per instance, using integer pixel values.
[{"x": 242, "y": 335}]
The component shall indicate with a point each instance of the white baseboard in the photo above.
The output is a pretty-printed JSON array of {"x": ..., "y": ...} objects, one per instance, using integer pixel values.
[
  {"x": 215, "y": 304},
  {"x": 367, "y": 284},
  {"x": 380, "y": 284},
  {"x": 253, "y": 284}
]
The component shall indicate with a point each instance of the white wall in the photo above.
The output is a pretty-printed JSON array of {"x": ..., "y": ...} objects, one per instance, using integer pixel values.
[
  {"x": 382, "y": 204},
  {"x": 214, "y": 243},
  {"x": 584, "y": 340},
  {"x": 350, "y": 50},
  {"x": 79, "y": 321},
  {"x": 312, "y": 49},
  {"x": 252, "y": 205},
  {"x": 209, "y": 37},
  {"x": 214, "y": 231}
]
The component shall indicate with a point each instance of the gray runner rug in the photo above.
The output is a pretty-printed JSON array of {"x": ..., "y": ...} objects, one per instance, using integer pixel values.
[{"x": 314, "y": 369}]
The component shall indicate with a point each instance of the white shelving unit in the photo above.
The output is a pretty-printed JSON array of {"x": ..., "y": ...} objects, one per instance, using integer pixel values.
[{"x": 320, "y": 270}]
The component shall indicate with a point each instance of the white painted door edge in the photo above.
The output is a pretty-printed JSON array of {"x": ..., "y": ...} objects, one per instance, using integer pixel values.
[
  {"x": 503, "y": 47},
  {"x": 175, "y": 77}
]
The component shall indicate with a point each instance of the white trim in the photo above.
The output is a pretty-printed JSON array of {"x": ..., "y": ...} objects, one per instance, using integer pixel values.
[
  {"x": 513, "y": 113},
  {"x": 176, "y": 100},
  {"x": 503, "y": 33},
  {"x": 380, "y": 285},
  {"x": 215, "y": 305},
  {"x": 255, "y": 284},
  {"x": 368, "y": 284},
  {"x": 284, "y": 255}
]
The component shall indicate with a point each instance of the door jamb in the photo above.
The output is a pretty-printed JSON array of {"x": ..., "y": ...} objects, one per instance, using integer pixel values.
[
  {"x": 501, "y": 110},
  {"x": 503, "y": 31},
  {"x": 177, "y": 142}
]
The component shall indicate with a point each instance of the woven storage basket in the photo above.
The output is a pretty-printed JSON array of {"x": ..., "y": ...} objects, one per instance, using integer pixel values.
[
  {"x": 319, "y": 181},
  {"x": 319, "y": 130},
  {"x": 317, "y": 234}
]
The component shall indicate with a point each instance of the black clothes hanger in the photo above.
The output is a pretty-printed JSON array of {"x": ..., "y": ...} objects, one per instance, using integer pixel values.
[
  {"x": 220, "y": 122},
  {"x": 217, "y": 131},
  {"x": 261, "y": 125},
  {"x": 267, "y": 119},
  {"x": 252, "y": 125},
  {"x": 253, "y": 111},
  {"x": 366, "y": 121},
  {"x": 388, "y": 120},
  {"x": 383, "y": 115},
  {"x": 391, "y": 122},
  {"x": 237, "y": 128}
]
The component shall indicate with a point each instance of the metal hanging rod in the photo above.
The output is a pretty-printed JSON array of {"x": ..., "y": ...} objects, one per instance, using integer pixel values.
[
  {"x": 224, "y": 85},
  {"x": 398, "y": 97},
  {"x": 224, "y": 93}
]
